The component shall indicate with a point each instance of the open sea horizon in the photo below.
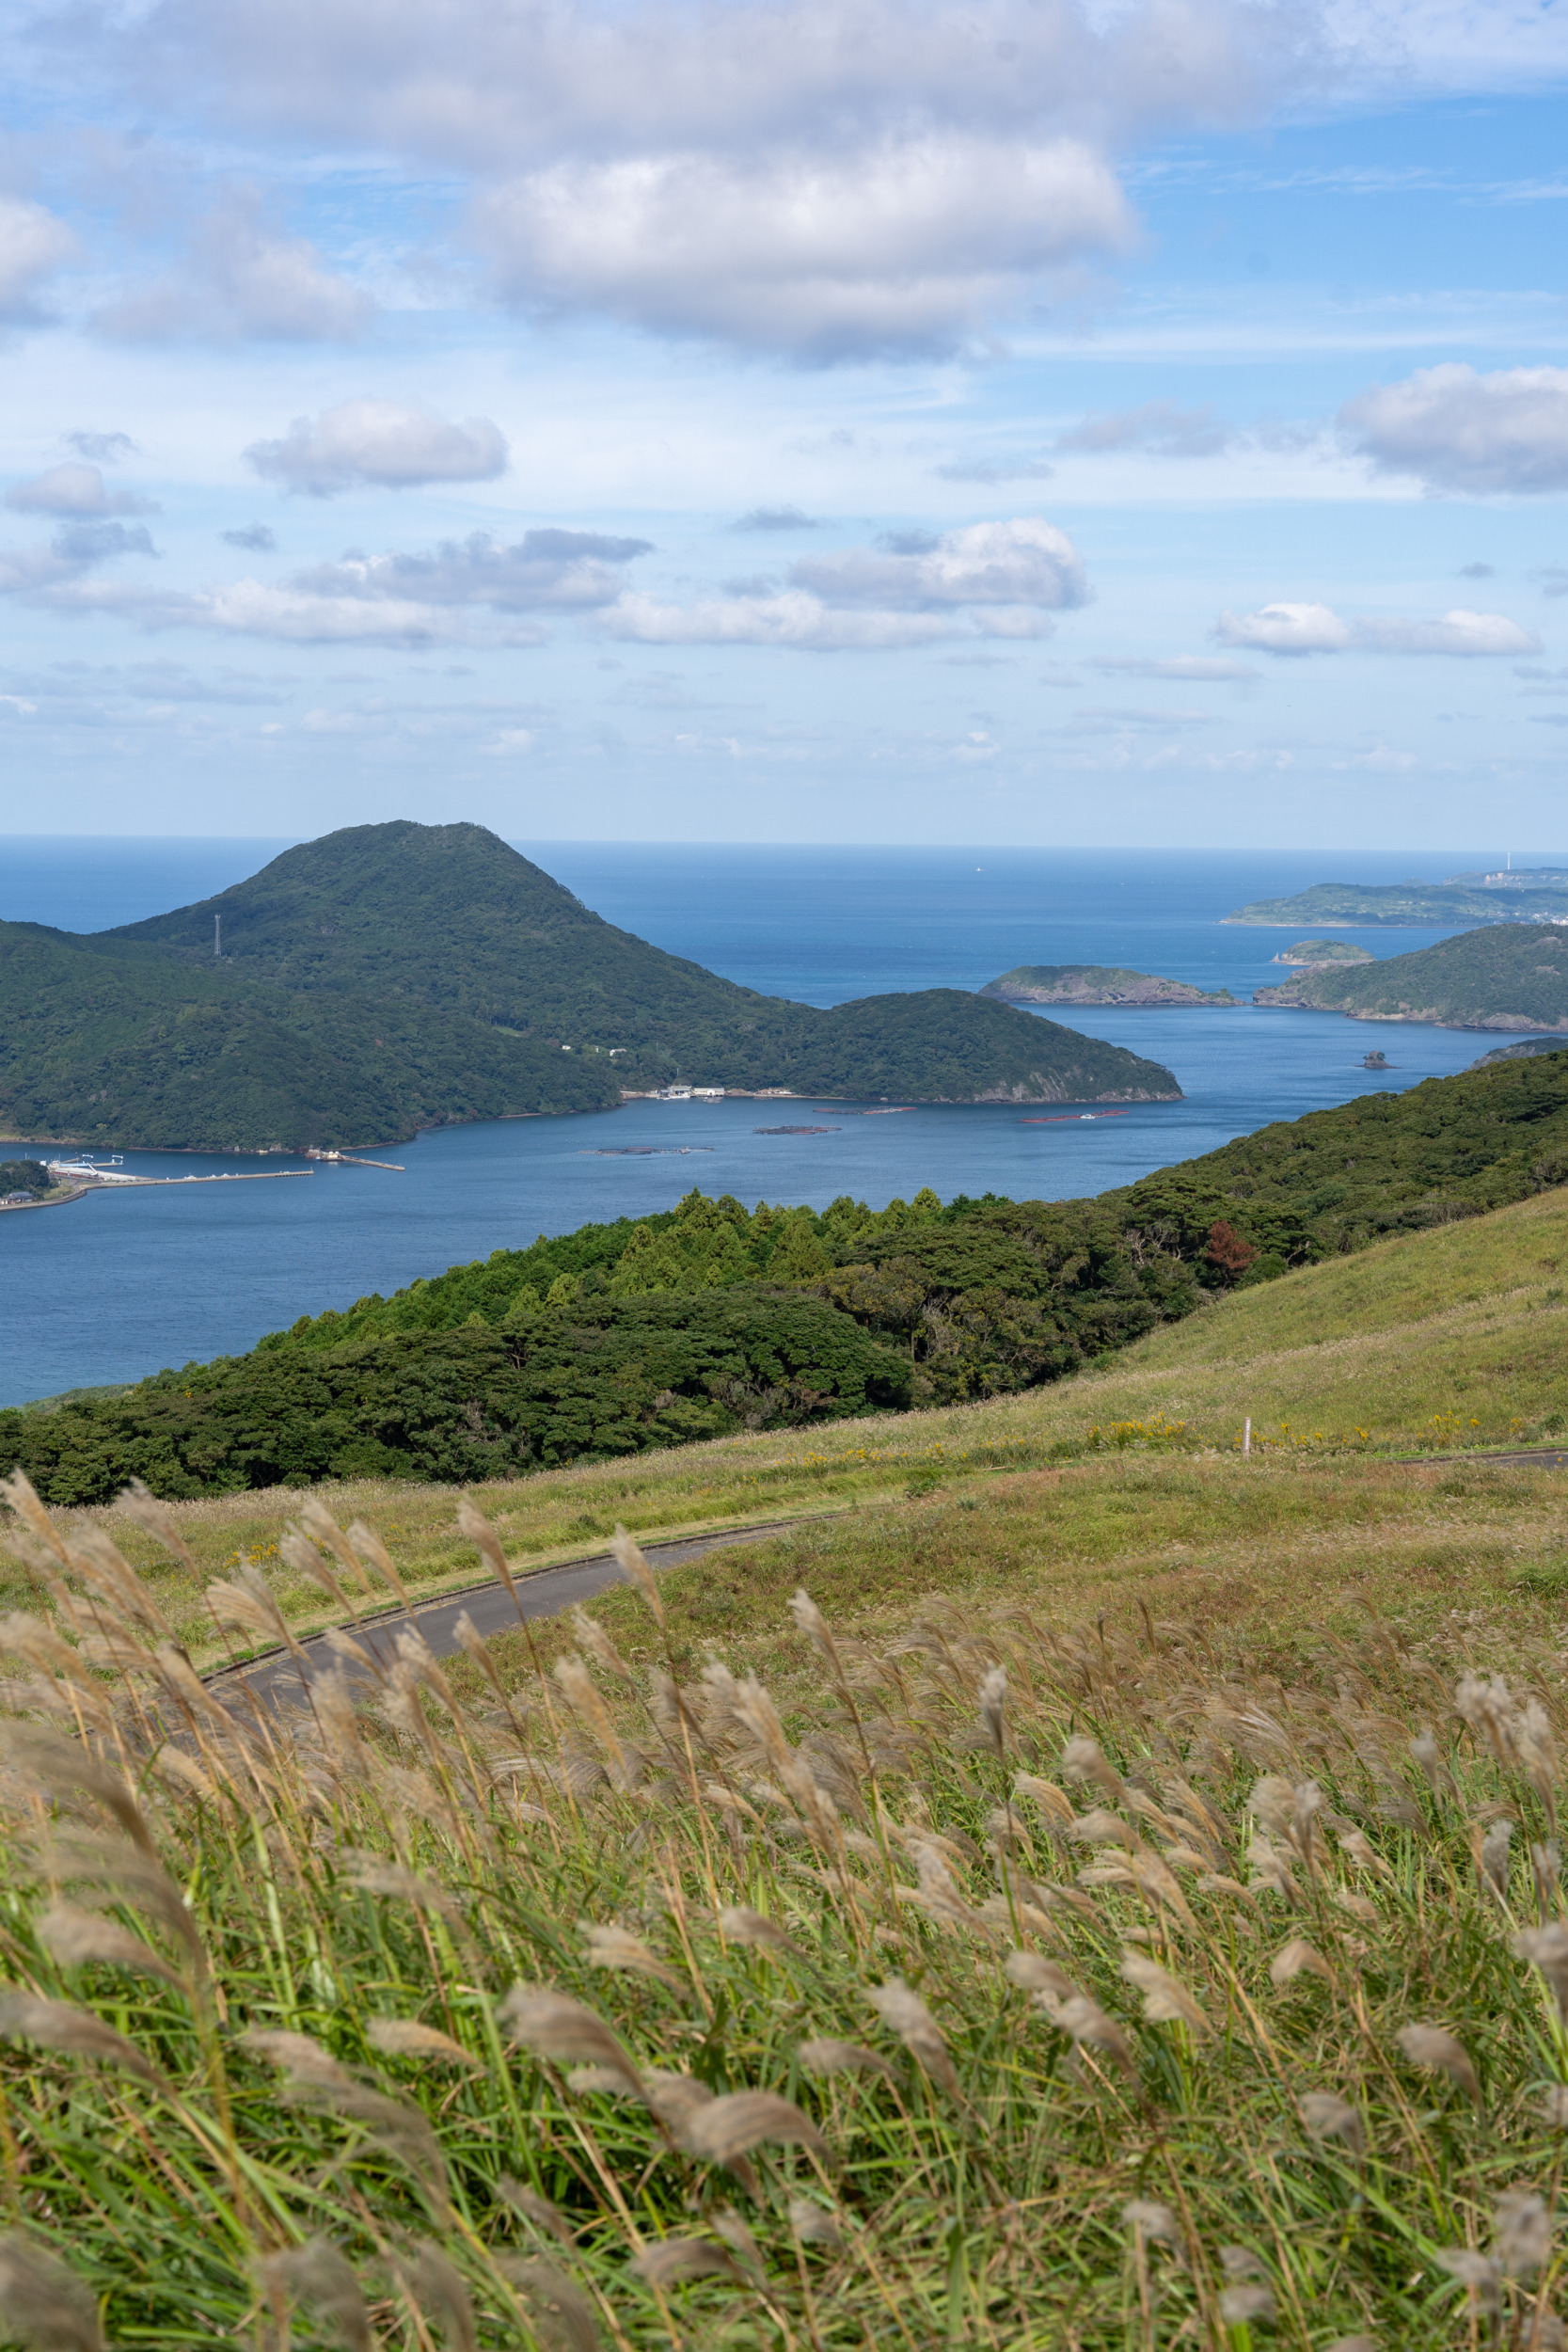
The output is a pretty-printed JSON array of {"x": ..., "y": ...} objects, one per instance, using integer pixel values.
[{"x": 121, "y": 1284}]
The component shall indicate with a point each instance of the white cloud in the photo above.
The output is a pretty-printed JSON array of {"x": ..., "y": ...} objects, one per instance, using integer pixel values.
[
  {"x": 512, "y": 743},
  {"x": 901, "y": 246},
  {"x": 384, "y": 442},
  {"x": 776, "y": 518},
  {"x": 547, "y": 567},
  {"x": 1024, "y": 563},
  {"x": 74, "y": 491},
  {"x": 914, "y": 589},
  {"x": 290, "y": 615},
  {"x": 241, "y": 279},
  {"x": 1285, "y": 628},
  {"x": 1296, "y": 629},
  {"x": 799, "y": 622},
  {"x": 1458, "y": 430},
  {"x": 1196, "y": 669},
  {"x": 1456, "y": 632},
  {"x": 33, "y": 246},
  {"x": 1158, "y": 427}
]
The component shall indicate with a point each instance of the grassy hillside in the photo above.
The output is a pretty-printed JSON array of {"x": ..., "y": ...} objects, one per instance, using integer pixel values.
[
  {"x": 1463, "y": 899},
  {"x": 1440, "y": 1342},
  {"x": 393, "y": 977},
  {"x": 1514, "y": 977},
  {"x": 1129, "y": 1916}
]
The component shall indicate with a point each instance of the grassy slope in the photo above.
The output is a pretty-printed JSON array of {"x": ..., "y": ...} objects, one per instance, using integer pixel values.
[
  {"x": 1466, "y": 1321},
  {"x": 1513, "y": 977}
]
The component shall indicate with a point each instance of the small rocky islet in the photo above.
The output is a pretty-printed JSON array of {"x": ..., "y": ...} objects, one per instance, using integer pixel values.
[{"x": 1097, "y": 984}]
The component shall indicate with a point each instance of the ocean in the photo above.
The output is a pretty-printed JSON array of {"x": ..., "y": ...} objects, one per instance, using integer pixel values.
[{"x": 122, "y": 1284}]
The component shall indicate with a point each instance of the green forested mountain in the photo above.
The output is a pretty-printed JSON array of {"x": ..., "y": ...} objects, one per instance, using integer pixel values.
[
  {"x": 708, "y": 1317},
  {"x": 399, "y": 976},
  {"x": 1513, "y": 976},
  {"x": 1463, "y": 898}
]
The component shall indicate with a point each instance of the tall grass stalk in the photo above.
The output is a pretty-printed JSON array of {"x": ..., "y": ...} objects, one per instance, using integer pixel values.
[{"x": 1007, "y": 1985}]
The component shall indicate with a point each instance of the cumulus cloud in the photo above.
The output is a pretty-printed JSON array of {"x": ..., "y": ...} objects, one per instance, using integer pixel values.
[
  {"x": 1196, "y": 669},
  {"x": 1003, "y": 579},
  {"x": 74, "y": 491},
  {"x": 1302, "y": 628},
  {"x": 750, "y": 98},
  {"x": 255, "y": 538},
  {"x": 33, "y": 246},
  {"x": 241, "y": 279},
  {"x": 548, "y": 568},
  {"x": 1285, "y": 628},
  {"x": 1455, "y": 429},
  {"x": 471, "y": 592},
  {"x": 380, "y": 442},
  {"x": 1024, "y": 563},
  {"x": 51, "y": 570},
  {"x": 776, "y": 518},
  {"x": 900, "y": 247},
  {"x": 1158, "y": 428}
]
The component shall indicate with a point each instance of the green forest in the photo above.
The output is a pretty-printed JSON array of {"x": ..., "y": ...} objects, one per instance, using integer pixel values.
[
  {"x": 395, "y": 977},
  {"x": 1511, "y": 977},
  {"x": 1463, "y": 898},
  {"x": 709, "y": 1318}
]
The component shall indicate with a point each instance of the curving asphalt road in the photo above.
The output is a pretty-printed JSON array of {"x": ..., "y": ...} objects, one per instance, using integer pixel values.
[
  {"x": 541, "y": 1593},
  {"x": 545, "y": 1592}
]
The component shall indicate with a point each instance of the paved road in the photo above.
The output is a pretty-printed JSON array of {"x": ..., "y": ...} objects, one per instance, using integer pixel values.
[
  {"x": 543, "y": 1593},
  {"x": 1530, "y": 1456}
]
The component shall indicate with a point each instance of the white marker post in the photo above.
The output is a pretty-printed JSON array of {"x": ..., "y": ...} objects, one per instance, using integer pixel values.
[{"x": 1246, "y": 1436}]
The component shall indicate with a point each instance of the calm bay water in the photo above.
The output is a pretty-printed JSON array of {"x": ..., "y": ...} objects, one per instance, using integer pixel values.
[{"x": 117, "y": 1285}]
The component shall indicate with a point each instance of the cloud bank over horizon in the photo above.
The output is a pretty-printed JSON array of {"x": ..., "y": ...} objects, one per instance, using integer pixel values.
[{"x": 1132, "y": 400}]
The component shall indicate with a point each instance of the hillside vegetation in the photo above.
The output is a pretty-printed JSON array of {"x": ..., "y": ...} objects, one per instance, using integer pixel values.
[
  {"x": 1096, "y": 984},
  {"x": 1172, "y": 1955},
  {"x": 618, "y": 1339},
  {"x": 1514, "y": 977},
  {"x": 396, "y": 977},
  {"x": 1463, "y": 898}
]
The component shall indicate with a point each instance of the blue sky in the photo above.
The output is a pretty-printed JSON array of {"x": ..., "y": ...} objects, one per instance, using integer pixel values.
[{"x": 1057, "y": 420}]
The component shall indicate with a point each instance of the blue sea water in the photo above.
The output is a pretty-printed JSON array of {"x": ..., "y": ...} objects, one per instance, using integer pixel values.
[{"x": 119, "y": 1284}]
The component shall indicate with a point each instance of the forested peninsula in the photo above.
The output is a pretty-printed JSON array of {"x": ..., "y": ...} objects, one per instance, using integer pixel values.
[
  {"x": 395, "y": 977},
  {"x": 710, "y": 1318},
  {"x": 1513, "y": 977},
  {"x": 1505, "y": 897}
]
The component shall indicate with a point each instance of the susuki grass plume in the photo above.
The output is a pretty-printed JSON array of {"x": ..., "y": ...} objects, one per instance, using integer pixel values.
[{"x": 994, "y": 1983}]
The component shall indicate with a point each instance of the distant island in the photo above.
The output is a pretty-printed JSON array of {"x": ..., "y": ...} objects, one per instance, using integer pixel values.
[
  {"x": 1096, "y": 984},
  {"x": 1540, "y": 892},
  {"x": 1312, "y": 955},
  {"x": 1513, "y": 976},
  {"x": 391, "y": 978}
]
